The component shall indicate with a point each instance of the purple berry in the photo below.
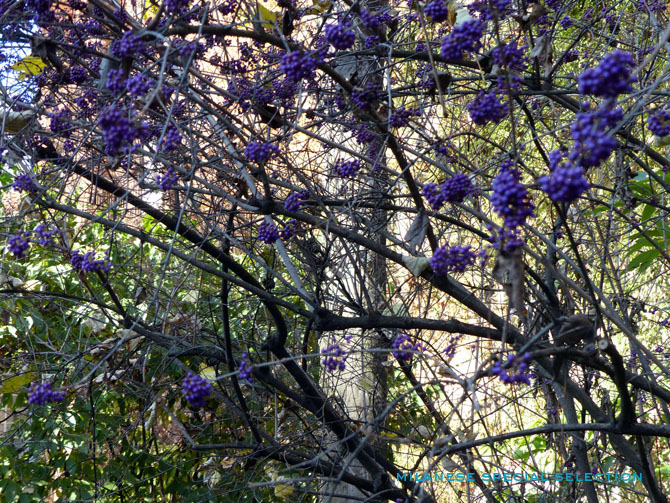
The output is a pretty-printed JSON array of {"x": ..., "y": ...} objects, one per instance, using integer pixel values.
[
  {"x": 87, "y": 262},
  {"x": 139, "y": 85},
  {"x": 268, "y": 233},
  {"x": 510, "y": 199},
  {"x": 591, "y": 132},
  {"x": 296, "y": 200},
  {"x": 463, "y": 38},
  {"x": 128, "y": 45},
  {"x": 401, "y": 116},
  {"x": 340, "y": 36},
  {"x": 433, "y": 194},
  {"x": 610, "y": 78},
  {"x": 453, "y": 259},
  {"x": 457, "y": 188},
  {"x": 404, "y": 348},
  {"x": 437, "y": 11},
  {"x": 245, "y": 369},
  {"x": 116, "y": 82},
  {"x": 290, "y": 229},
  {"x": 44, "y": 235},
  {"x": 171, "y": 140},
  {"x": 297, "y": 66},
  {"x": 41, "y": 394},
  {"x": 347, "y": 169},
  {"x": 167, "y": 180},
  {"x": 334, "y": 358},
  {"x": 260, "y": 152},
  {"x": 659, "y": 123},
  {"x": 24, "y": 183},
  {"x": 196, "y": 389},
  {"x": 566, "y": 182},
  {"x": 19, "y": 244},
  {"x": 486, "y": 107}
]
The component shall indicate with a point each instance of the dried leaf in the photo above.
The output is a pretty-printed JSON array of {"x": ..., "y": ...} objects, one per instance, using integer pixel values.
[
  {"x": 417, "y": 230},
  {"x": 539, "y": 47},
  {"x": 509, "y": 271},
  {"x": 416, "y": 265}
]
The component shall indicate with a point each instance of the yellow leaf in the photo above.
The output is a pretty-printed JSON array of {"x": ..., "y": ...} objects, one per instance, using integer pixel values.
[
  {"x": 319, "y": 6},
  {"x": 207, "y": 372},
  {"x": 451, "y": 18},
  {"x": 15, "y": 383},
  {"x": 266, "y": 15},
  {"x": 283, "y": 490},
  {"x": 29, "y": 66}
]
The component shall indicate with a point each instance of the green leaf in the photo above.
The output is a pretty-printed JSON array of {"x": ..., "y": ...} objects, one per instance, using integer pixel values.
[
  {"x": 648, "y": 212},
  {"x": 14, "y": 384},
  {"x": 9, "y": 491},
  {"x": 643, "y": 258}
]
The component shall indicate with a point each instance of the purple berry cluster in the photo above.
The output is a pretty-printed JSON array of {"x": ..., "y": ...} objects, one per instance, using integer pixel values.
[
  {"x": 437, "y": 11},
  {"x": 41, "y": 394},
  {"x": 196, "y": 389},
  {"x": 128, "y": 45},
  {"x": 511, "y": 56},
  {"x": 167, "y": 180},
  {"x": 486, "y": 107},
  {"x": 457, "y": 188},
  {"x": 659, "y": 123},
  {"x": 401, "y": 116},
  {"x": 610, "y": 78},
  {"x": 465, "y": 37},
  {"x": 44, "y": 235},
  {"x": 566, "y": 182},
  {"x": 86, "y": 262},
  {"x": 117, "y": 129},
  {"x": 334, "y": 358},
  {"x": 371, "y": 21},
  {"x": 591, "y": 132},
  {"x": 651, "y": 5},
  {"x": 297, "y": 66},
  {"x": 296, "y": 200},
  {"x": 510, "y": 199},
  {"x": 19, "y": 244},
  {"x": 139, "y": 85},
  {"x": 176, "y": 7},
  {"x": 260, "y": 152},
  {"x": 78, "y": 74},
  {"x": 454, "y": 190},
  {"x": 403, "y": 348},
  {"x": 59, "y": 122},
  {"x": 268, "y": 233},
  {"x": 347, "y": 169},
  {"x": 433, "y": 194},
  {"x": 116, "y": 81},
  {"x": 340, "y": 36},
  {"x": 172, "y": 139},
  {"x": 245, "y": 369},
  {"x": 450, "y": 350},
  {"x": 290, "y": 229},
  {"x": 24, "y": 183},
  {"x": 488, "y": 9},
  {"x": 452, "y": 259},
  {"x": 519, "y": 367},
  {"x": 567, "y": 22}
]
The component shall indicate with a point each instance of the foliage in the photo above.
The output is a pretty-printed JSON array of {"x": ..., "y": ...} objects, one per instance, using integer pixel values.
[{"x": 222, "y": 218}]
